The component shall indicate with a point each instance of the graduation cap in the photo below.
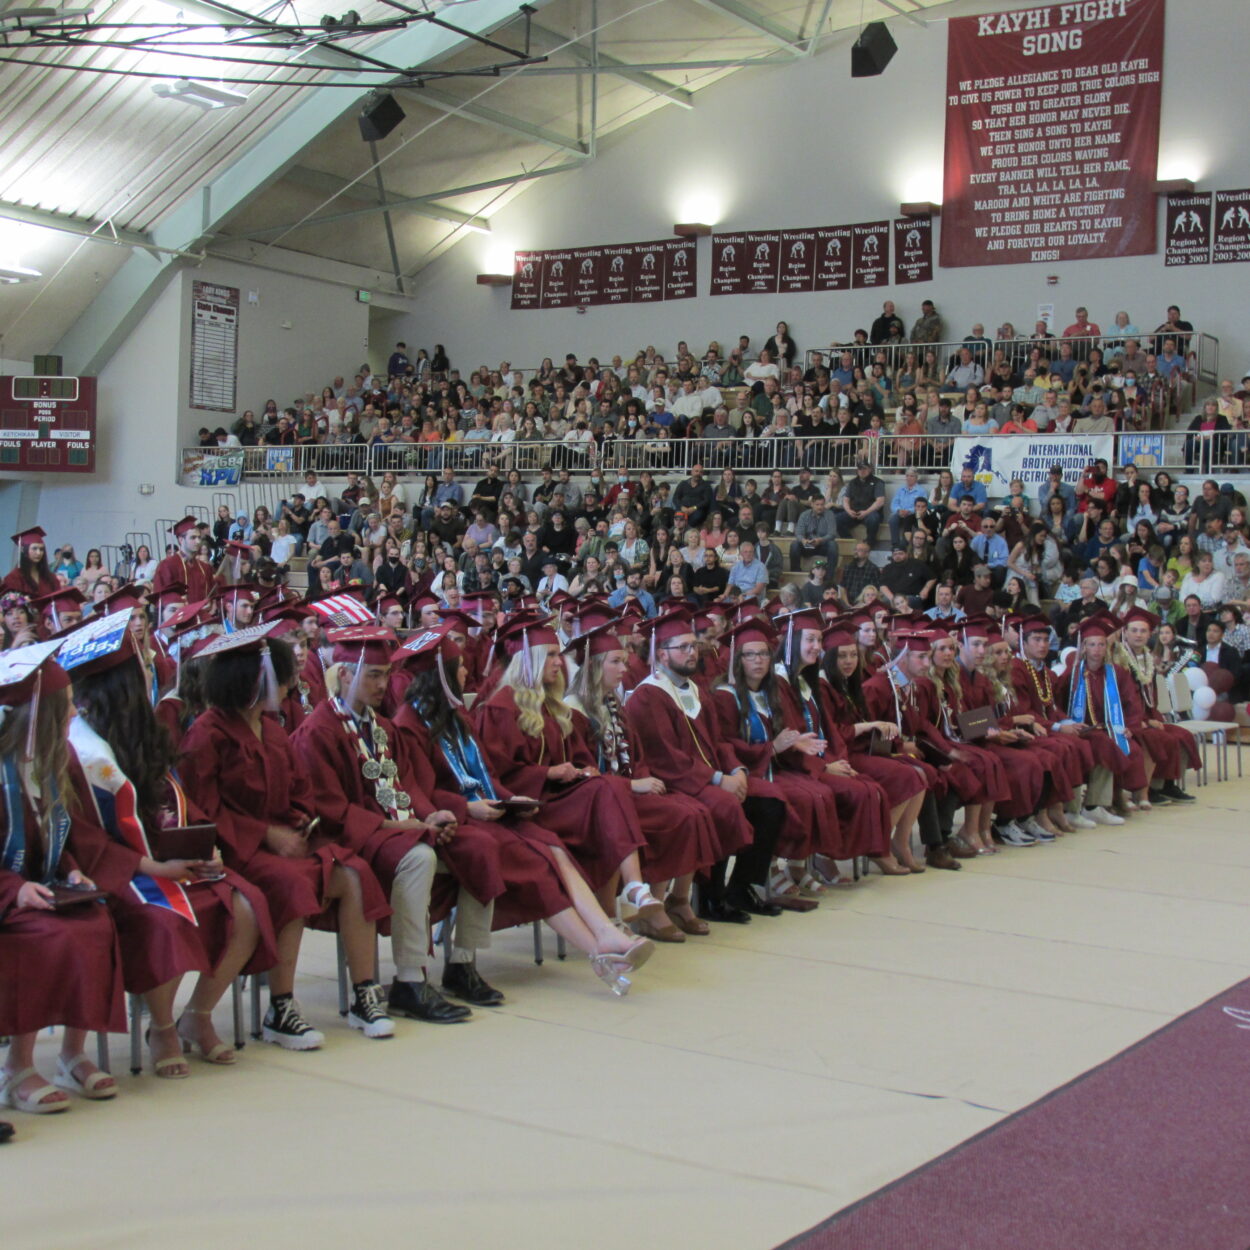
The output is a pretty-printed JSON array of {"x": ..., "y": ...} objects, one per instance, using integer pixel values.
[
  {"x": 839, "y": 632},
  {"x": 665, "y": 627},
  {"x": 525, "y": 631},
  {"x": 460, "y": 621},
  {"x": 189, "y": 613},
  {"x": 230, "y": 596},
  {"x": 175, "y": 592},
  {"x": 913, "y": 640},
  {"x": 26, "y": 674},
  {"x": 756, "y": 629},
  {"x": 475, "y": 601},
  {"x": 557, "y": 601},
  {"x": 123, "y": 599},
  {"x": 32, "y": 535},
  {"x": 977, "y": 627},
  {"x": 432, "y": 649},
  {"x": 97, "y": 645},
  {"x": 1096, "y": 626},
  {"x": 1135, "y": 614},
  {"x": 386, "y": 603},
  {"x": 602, "y": 640},
  {"x": 185, "y": 526},
  {"x": 288, "y": 619},
  {"x": 591, "y": 615},
  {"x": 66, "y": 599},
  {"x": 362, "y": 644},
  {"x": 253, "y": 638},
  {"x": 803, "y": 618}
]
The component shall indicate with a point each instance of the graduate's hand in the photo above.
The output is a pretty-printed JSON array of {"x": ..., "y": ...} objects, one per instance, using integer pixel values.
[
  {"x": 482, "y": 809},
  {"x": 785, "y": 740},
  {"x": 841, "y": 768},
  {"x": 78, "y": 877},
  {"x": 736, "y": 784},
  {"x": 174, "y": 869},
  {"x": 1070, "y": 729},
  {"x": 648, "y": 785},
  {"x": 563, "y": 773},
  {"x": 286, "y": 842},
  {"x": 34, "y": 896},
  {"x": 886, "y": 728},
  {"x": 810, "y": 744}
]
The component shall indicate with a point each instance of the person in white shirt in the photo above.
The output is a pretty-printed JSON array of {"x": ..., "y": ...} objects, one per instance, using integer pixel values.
[
  {"x": 762, "y": 368},
  {"x": 709, "y": 394},
  {"x": 689, "y": 404}
]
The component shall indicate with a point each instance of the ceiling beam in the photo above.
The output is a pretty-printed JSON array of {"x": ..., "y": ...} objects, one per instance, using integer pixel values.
[
  {"x": 553, "y": 41},
  {"x": 113, "y": 314},
  {"x": 791, "y": 40},
  {"x": 411, "y": 203},
  {"x": 82, "y": 227},
  {"x": 341, "y": 188},
  {"x": 499, "y": 121}
]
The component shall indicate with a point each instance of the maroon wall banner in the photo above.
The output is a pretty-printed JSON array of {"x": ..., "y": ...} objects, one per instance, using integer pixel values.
[
  {"x": 913, "y": 250},
  {"x": 527, "y": 279},
  {"x": 763, "y": 251},
  {"x": 1188, "y": 229},
  {"x": 679, "y": 269},
  {"x": 870, "y": 254},
  {"x": 1052, "y": 133},
  {"x": 625, "y": 273},
  {"x": 798, "y": 261},
  {"x": 1232, "y": 226},
  {"x": 728, "y": 264},
  {"x": 833, "y": 259}
]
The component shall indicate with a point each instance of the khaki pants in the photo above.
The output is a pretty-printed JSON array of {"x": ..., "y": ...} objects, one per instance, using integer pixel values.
[{"x": 410, "y": 923}]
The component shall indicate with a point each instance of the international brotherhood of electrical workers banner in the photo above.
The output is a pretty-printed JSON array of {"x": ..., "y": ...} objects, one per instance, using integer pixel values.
[{"x": 999, "y": 459}]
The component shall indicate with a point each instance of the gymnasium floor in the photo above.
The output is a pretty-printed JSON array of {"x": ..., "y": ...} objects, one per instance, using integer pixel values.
[{"x": 752, "y": 1084}]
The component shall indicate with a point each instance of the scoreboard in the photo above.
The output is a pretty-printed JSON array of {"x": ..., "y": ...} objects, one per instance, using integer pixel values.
[{"x": 47, "y": 424}]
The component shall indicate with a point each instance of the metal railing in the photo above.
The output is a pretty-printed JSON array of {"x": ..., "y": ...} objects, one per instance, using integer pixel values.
[{"x": 890, "y": 454}]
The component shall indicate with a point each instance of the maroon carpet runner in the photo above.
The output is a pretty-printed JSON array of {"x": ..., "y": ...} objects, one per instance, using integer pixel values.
[{"x": 1148, "y": 1151}]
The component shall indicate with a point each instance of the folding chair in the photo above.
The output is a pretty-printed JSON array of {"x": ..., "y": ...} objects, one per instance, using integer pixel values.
[{"x": 1180, "y": 700}]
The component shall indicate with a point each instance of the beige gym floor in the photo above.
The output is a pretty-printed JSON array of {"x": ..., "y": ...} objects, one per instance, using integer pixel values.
[{"x": 752, "y": 1084}]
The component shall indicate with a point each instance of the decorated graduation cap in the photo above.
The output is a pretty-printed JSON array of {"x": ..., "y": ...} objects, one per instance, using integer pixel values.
[
  {"x": 26, "y": 674},
  {"x": 123, "y": 599},
  {"x": 602, "y": 640},
  {"x": 361, "y": 645},
  {"x": 97, "y": 645},
  {"x": 27, "y": 537},
  {"x": 54, "y": 605},
  {"x": 434, "y": 649},
  {"x": 254, "y": 639},
  {"x": 185, "y": 526}
]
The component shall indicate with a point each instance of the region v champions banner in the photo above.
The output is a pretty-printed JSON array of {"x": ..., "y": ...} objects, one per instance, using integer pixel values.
[
  {"x": 1052, "y": 133},
  {"x": 999, "y": 459},
  {"x": 623, "y": 273}
]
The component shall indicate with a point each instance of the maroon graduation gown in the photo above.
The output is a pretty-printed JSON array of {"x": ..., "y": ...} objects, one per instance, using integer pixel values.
[
  {"x": 56, "y": 967},
  {"x": 1035, "y": 694},
  {"x": 1129, "y": 770},
  {"x": 533, "y": 886},
  {"x": 158, "y": 944},
  {"x": 1026, "y": 773},
  {"x": 594, "y": 817},
  {"x": 1172, "y": 748},
  {"x": 901, "y": 776},
  {"x": 685, "y": 754},
  {"x": 194, "y": 574},
  {"x": 680, "y": 835},
  {"x": 244, "y": 785}
]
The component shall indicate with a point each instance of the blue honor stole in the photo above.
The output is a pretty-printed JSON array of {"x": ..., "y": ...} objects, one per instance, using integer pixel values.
[
  {"x": 14, "y": 850},
  {"x": 1078, "y": 704}
]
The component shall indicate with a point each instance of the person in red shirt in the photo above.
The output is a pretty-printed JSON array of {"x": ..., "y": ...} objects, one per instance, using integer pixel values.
[
  {"x": 1082, "y": 327},
  {"x": 1096, "y": 483}
]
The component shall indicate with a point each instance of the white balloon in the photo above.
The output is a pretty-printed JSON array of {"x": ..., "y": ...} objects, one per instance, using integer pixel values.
[
  {"x": 1196, "y": 677},
  {"x": 1204, "y": 700}
]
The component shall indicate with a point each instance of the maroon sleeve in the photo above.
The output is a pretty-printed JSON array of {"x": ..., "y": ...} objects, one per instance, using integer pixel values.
[
  {"x": 669, "y": 743},
  {"x": 754, "y": 757},
  {"x": 511, "y": 755},
  {"x": 208, "y": 756},
  {"x": 321, "y": 747}
]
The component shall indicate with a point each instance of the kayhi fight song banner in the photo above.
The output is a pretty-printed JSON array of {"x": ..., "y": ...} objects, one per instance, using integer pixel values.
[
  {"x": 1052, "y": 133},
  {"x": 624, "y": 273}
]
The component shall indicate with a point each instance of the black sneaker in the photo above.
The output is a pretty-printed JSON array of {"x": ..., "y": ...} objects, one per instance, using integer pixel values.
[
  {"x": 1173, "y": 790},
  {"x": 463, "y": 981},
  {"x": 285, "y": 1026},
  {"x": 367, "y": 1013}
]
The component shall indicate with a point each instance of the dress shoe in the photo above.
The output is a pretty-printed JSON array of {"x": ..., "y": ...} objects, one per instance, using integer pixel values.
[
  {"x": 940, "y": 857},
  {"x": 463, "y": 981},
  {"x": 6, "y": 1131},
  {"x": 745, "y": 899},
  {"x": 1173, "y": 791},
  {"x": 958, "y": 849},
  {"x": 721, "y": 910},
  {"x": 419, "y": 1000}
]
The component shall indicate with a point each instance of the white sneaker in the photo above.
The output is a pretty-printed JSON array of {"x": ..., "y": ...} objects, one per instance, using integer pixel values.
[
  {"x": 1038, "y": 830},
  {"x": 1080, "y": 821},
  {"x": 1011, "y": 834},
  {"x": 1100, "y": 816}
]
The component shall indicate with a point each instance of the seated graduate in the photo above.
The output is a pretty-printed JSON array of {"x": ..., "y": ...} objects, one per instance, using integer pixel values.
[
  {"x": 173, "y": 915},
  {"x": 58, "y": 965},
  {"x": 239, "y": 768},
  {"x": 368, "y": 799},
  {"x": 542, "y": 880}
]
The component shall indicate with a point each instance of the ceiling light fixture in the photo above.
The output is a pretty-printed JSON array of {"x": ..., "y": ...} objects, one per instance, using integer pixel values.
[
  {"x": 203, "y": 95},
  {"x": 40, "y": 18},
  {"x": 10, "y": 275}
]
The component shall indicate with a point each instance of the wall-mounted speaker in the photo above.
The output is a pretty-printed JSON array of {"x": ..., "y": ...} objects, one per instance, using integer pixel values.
[
  {"x": 871, "y": 52},
  {"x": 380, "y": 115}
]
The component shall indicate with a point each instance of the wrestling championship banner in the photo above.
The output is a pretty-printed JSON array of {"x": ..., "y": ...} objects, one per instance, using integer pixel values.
[
  {"x": 624, "y": 273},
  {"x": 1052, "y": 133}
]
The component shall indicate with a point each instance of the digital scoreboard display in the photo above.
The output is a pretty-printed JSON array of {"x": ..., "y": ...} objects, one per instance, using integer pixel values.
[{"x": 47, "y": 424}]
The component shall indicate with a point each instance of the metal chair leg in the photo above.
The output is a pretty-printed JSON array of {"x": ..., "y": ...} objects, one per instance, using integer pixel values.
[
  {"x": 257, "y": 978},
  {"x": 102, "y": 1052},
  {"x": 562, "y": 950},
  {"x": 538, "y": 942},
  {"x": 341, "y": 960},
  {"x": 236, "y": 1007},
  {"x": 136, "y": 1034}
]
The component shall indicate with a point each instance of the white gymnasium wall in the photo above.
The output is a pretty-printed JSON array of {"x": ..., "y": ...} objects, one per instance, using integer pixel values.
[
  {"x": 295, "y": 338},
  {"x": 809, "y": 146}
]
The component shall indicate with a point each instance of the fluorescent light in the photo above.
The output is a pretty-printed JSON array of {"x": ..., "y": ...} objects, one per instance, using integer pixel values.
[
  {"x": 12, "y": 274},
  {"x": 41, "y": 17},
  {"x": 203, "y": 95},
  {"x": 327, "y": 56}
]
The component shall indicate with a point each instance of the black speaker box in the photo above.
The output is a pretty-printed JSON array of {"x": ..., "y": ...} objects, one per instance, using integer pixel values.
[
  {"x": 872, "y": 51},
  {"x": 379, "y": 117}
]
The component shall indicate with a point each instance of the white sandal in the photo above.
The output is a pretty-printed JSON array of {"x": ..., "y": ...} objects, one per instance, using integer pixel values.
[
  {"x": 99, "y": 1086},
  {"x": 31, "y": 1103}
]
